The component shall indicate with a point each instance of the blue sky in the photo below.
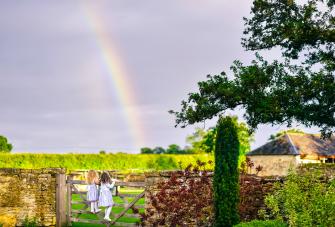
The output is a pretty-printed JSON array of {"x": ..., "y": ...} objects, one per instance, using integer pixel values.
[{"x": 53, "y": 89}]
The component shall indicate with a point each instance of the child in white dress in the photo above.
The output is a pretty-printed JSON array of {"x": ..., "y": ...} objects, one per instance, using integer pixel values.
[
  {"x": 105, "y": 196},
  {"x": 92, "y": 190}
]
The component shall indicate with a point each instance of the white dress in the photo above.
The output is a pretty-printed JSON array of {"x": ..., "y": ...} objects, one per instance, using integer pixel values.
[
  {"x": 105, "y": 197},
  {"x": 92, "y": 193}
]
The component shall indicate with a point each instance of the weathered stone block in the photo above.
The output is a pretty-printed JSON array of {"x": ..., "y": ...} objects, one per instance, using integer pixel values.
[{"x": 7, "y": 220}]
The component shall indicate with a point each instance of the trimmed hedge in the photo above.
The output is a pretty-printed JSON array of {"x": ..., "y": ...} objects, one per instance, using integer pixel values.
[
  {"x": 123, "y": 162},
  {"x": 257, "y": 223}
]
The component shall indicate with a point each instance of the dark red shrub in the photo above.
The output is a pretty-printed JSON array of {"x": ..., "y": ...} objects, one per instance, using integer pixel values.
[{"x": 183, "y": 199}]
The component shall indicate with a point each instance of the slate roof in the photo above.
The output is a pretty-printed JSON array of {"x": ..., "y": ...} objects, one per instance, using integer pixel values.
[{"x": 297, "y": 144}]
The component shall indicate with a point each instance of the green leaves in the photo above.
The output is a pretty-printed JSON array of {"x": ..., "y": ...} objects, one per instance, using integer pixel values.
[
  {"x": 258, "y": 223},
  {"x": 4, "y": 145},
  {"x": 270, "y": 93},
  {"x": 275, "y": 93},
  {"x": 293, "y": 27},
  {"x": 305, "y": 199}
]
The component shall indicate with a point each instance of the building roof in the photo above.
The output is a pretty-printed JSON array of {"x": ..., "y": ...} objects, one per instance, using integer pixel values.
[{"x": 298, "y": 144}]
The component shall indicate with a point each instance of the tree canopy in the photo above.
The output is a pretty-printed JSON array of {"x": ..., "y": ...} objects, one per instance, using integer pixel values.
[
  {"x": 283, "y": 132},
  {"x": 4, "y": 145},
  {"x": 299, "y": 88},
  {"x": 172, "y": 149},
  {"x": 203, "y": 141}
]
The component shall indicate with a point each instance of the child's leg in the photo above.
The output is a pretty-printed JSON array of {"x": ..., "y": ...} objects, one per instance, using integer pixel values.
[
  {"x": 108, "y": 212},
  {"x": 92, "y": 207},
  {"x": 96, "y": 207}
]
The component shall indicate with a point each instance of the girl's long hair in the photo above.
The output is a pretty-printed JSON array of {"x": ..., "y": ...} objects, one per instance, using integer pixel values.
[
  {"x": 91, "y": 176},
  {"x": 105, "y": 178}
]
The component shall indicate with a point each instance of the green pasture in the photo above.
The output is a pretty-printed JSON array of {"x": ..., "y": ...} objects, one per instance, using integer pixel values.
[
  {"x": 115, "y": 210},
  {"x": 121, "y": 162}
]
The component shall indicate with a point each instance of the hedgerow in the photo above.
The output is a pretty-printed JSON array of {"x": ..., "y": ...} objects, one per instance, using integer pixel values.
[
  {"x": 259, "y": 223},
  {"x": 123, "y": 162}
]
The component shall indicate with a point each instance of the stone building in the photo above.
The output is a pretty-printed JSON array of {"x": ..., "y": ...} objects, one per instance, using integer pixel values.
[{"x": 290, "y": 150}]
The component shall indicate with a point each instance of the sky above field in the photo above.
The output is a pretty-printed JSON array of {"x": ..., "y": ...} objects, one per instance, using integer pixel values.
[{"x": 84, "y": 76}]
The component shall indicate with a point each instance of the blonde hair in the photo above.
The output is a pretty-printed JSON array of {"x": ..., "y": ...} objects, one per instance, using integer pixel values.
[{"x": 91, "y": 176}]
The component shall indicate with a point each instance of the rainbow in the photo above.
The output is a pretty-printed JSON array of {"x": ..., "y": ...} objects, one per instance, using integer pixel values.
[{"x": 117, "y": 74}]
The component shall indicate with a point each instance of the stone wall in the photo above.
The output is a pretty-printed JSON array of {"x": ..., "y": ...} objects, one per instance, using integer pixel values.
[
  {"x": 327, "y": 169},
  {"x": 29, "y": 194},
  {"x": 274, "y": 165},
  {"x": 253, "y": 190}
]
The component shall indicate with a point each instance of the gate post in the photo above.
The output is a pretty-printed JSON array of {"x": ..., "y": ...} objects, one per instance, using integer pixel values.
[
  {"x": 69, "y": 200},
  {"x": 60, "y": 200}
]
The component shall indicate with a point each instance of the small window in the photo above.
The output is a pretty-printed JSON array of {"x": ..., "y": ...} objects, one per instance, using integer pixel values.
[{"x": 330, "y": 160}]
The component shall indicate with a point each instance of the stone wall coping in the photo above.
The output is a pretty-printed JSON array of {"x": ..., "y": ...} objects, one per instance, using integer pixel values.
[
  {"x": 35, "y": 171},
  {"x": 169, "y": 173},
  {"x": 86, "y": 170},
  {"x": 166, "y": 174},
  {"x": 263, "y": 179}
]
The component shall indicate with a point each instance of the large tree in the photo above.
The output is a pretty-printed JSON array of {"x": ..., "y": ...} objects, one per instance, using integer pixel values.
[
  {"x": 4, "y": 145},
  {"x": 298, "y": 88}
]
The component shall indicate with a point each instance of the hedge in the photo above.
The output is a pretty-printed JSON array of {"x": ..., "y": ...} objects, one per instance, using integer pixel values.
[
  {"x": 258, "y": 223},
  {"x": 123, "y": 162}
]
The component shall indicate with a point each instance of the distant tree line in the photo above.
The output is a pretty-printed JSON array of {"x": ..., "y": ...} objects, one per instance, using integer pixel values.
[
  {"x": 171, "y": 149},
  {"x": 203, "y": 141}
]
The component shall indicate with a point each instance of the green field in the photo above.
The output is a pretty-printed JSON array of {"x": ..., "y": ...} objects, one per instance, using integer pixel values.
[
  {"x": 121, "y": 162},
  {"x": 115, "y": 210}
]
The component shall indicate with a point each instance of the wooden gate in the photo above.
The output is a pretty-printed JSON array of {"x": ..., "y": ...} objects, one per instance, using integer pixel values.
[{"x": 129, "y": 207}]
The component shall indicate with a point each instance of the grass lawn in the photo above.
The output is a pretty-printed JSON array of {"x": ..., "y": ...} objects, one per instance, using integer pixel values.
[{"x": 115, "y": 210}]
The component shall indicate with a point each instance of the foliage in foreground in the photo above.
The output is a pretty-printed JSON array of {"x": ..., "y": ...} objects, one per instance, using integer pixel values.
[
  {"x": 226, "y": 173},
  {"x": 185, "y": 198},
  {"x": 5, "y": 147},
  {"x": 258, "y": 223},
  {"x": 122, "y": 162},
  {"x": 29, "y": 222},
  {"x": 306, "y": 199}
]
